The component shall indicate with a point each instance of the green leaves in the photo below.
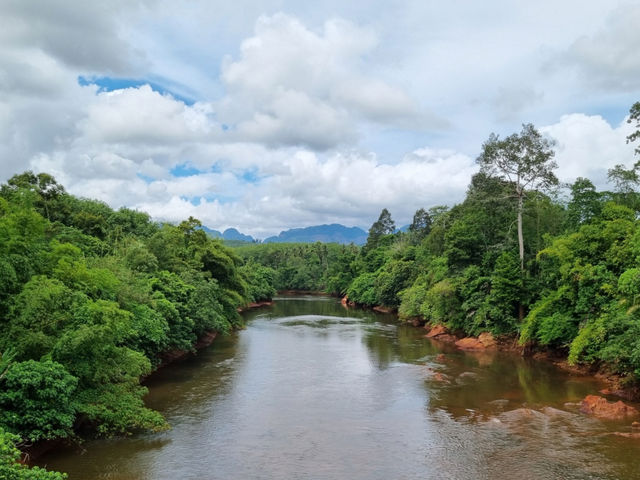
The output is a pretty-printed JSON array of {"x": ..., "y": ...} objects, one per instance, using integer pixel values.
[
  {"x": 39, "y": 313},
  {"x": 302, "y": 266},
  {"x": 118, "y": 409},
  {"x": 634, "y": 116},
  {"x": 381, "y": 227},
  {"x": 11, "y": 469},
  {"x": 260, "y": 280},
  {"x": 524, "y": 159},
  {"x": 362, "y": 289},
  {"x": 36, "y": 400}
]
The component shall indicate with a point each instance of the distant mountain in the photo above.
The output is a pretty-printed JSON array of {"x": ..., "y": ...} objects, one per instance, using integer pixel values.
[
  {"x": 211, "y": 233},
  {"x": 230, "y": 234},
  {"x": 334, "y": 233},
  {"x": 233, "y": 234}
]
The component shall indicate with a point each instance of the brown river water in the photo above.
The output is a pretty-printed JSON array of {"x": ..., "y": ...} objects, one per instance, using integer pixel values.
[{"x": 311, "y": 390}]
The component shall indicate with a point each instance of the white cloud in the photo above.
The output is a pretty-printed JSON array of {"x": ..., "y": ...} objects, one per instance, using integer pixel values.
[
  {"x": 295, "y": 86},
  {"x": 609, "y": 58},
  {"x": 294, "y": 118},
  {"x": 588, "y": 146},
  {"x": 346, "y": 188},
  {"x": 77, "y": 33},
  {"x": 141, "y": 115}
]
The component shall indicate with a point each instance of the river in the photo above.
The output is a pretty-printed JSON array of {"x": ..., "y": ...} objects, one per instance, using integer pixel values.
[{"x": 311, "y": 390}]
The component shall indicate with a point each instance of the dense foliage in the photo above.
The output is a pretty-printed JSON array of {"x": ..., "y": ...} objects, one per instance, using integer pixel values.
[
  {"x": 11, "y": 469},
  {"x": 91, "y": 299}
]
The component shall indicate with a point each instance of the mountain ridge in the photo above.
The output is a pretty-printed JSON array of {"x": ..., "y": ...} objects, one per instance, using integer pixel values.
[{"x": 326, "y": 233}]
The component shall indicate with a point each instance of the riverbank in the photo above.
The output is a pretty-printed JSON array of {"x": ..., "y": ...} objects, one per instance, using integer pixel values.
[
  {"x": 34, "y": 451},
  {"x": 616, "y": 385},
  {"x": 205, "y": 340}
]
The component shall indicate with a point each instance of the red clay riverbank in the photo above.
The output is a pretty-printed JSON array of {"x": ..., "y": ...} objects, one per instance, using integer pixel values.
[{"x": 509, "y": 343}]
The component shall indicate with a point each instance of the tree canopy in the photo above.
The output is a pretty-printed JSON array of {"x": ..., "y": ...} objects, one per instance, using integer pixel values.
[
  {"x": 634, "y": 116},
  {"x": 91, "y": 299},
  {"x": 525, "y": 161}
]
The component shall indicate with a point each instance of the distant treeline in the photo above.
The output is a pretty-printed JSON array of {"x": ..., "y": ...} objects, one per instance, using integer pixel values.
[{"x": 316, "y": 266}]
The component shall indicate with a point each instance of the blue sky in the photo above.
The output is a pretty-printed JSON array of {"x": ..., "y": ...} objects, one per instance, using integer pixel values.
[
  {"x": 109, "y": 84},
  {"x": 273, "y": 114}
]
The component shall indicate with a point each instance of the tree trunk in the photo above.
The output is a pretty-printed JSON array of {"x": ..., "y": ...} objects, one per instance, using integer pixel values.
[
  {"x": 520, "y": 239},
  {"x": 521, "y": 250}
]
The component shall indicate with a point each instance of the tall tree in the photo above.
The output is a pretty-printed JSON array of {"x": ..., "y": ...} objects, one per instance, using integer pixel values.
[
  {"x": 421, "y": 224},
  {"x": 634, "y": 116},
  {"x": 45, "y": 187},
  {"x": 626, "y": 182},
  {"x": 383, "y": 226},
  {"x": 525, "y": 161},
  {"x": 584, "y": 205}
]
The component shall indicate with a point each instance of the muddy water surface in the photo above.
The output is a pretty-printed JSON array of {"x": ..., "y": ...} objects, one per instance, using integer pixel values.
[{"x": 311, "y": 390}]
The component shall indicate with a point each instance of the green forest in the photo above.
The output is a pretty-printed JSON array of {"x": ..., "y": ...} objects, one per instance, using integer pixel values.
[{"x": 92, "y": 299}]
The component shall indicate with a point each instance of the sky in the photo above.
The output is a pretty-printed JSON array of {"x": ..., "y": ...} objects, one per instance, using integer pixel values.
[{"x": 273, "y": 114}]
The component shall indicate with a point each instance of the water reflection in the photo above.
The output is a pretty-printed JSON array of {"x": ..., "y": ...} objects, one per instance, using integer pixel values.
[{"x": 312, "y": 390}]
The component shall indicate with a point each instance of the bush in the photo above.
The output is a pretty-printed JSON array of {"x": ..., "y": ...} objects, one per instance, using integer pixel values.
[
  {"x": 11, "y": 469},
  {"x": 442, "y": 304},
  {"x": 412, "y": 298},
  {"x": 36, "y": 400},
  {"x": 362, "y": 289}
]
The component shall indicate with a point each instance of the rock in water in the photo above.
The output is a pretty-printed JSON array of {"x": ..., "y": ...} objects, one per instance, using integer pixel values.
[
  {"x": 470, "y": 343},
  {"x": 484, "y": 342},
  {"x": 601, "y": 408},
  {"x": 437, "y": 330}
]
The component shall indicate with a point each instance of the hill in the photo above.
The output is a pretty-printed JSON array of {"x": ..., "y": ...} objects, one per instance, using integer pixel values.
[
  {"x": 230, "y": 234},
  {"x": 334, "y": 233}
]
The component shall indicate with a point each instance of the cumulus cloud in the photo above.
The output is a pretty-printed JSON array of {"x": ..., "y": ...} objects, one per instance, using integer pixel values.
[
  {"x": 295, "y": 86},
  {"x": 294, "y": 118},
  {"x": 141, "y": 115},
  {"x": 307, "y": 189},
  {"x": 347, "y": 188},
  {"x": 587, "y": 146},
  {"x": 609, "y": 58},
  {"x": 41, "y": 48}
]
